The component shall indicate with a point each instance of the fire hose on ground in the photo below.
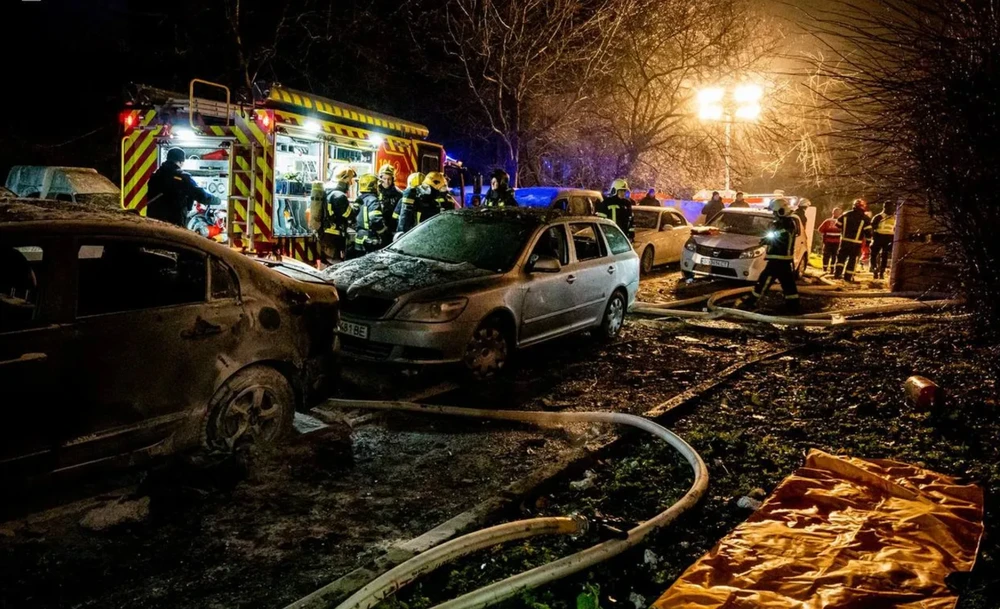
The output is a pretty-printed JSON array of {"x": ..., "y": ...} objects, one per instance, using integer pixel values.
[{"x": 391, "y": 581}]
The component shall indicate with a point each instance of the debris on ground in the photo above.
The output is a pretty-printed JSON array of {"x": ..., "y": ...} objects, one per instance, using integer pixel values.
[
  {"x": 587, "y": 482},
  {"x": 116, "y": 512}
]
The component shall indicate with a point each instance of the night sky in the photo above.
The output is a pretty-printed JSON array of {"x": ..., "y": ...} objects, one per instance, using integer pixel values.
[{"x": 69, "y": 87}]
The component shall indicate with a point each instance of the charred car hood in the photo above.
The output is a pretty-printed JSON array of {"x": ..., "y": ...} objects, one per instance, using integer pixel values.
[
  {"x": 727, "y": 241},
  {"x": 391, "y": 275}
]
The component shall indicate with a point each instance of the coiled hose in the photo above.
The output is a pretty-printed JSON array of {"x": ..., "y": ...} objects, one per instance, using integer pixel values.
[{"x": 393, "y": 580}]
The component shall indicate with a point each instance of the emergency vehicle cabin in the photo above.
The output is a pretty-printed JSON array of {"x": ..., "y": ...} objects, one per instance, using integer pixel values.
[{"x": 261, "y": 159}]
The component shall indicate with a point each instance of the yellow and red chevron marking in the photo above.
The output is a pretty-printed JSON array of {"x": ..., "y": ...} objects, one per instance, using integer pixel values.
[
  {"x": 346, "y": 112},
  {"x": 329, "y": 128},
  {"x": 299, "y": 248},
  {"x": 139, "y": 161}
]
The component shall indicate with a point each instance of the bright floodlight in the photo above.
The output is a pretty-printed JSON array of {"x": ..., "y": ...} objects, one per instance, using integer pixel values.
[
  {"x": 745, "y": 94},
  {"x": 376, "y": 140},
  {"x": 748, "y": 112},
  {"x": 710, "y": 104},
  {"x": 185, "y": 135},
  {"x": 312, "y": 126}
]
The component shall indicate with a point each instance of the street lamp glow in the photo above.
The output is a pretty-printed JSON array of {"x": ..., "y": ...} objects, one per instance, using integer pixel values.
[
  {"x": 748, "y": 94},
  {"x": 710, "y": 104},
  {"x": 748, "y": 112}
]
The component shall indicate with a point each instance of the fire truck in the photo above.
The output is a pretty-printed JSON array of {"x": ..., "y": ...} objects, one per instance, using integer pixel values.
[{"x": 261, "y": 158}]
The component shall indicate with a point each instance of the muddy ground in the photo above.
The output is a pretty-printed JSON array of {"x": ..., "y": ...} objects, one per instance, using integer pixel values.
[{"x": 314, "y": 512}]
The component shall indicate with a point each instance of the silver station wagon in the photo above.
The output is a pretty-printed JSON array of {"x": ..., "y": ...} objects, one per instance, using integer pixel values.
[{"x": 473, "y": 285}]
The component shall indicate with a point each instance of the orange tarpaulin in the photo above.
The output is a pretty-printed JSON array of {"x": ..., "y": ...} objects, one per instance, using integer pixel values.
[{"x": 842, "y": 533}]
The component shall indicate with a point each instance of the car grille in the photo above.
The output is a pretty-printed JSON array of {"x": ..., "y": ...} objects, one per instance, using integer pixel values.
[
  {"x": 715, "y": 270},
  {"x": 367, "y": 307},
  {"x": 715, "y": 252},
  {"x": 364, "y": 348}
]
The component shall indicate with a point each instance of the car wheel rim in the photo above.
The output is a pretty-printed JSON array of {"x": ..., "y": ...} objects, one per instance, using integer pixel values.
[
  {"x": 487, "y": 352},
  {"x": 253, "y": 415},
  {"x": 616, "y": 315},
  {"x": 647, "y": 261}
]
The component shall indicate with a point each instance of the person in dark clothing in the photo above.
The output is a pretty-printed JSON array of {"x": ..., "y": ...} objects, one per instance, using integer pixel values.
[
  {"x": 780, "y": 257},
  {"x": 884, "y": 229},
  {"x": 171, "y": 192},
  {"x": 404, "y": 215},
  {"x": 855, "y": 229},
  {"x": 739, "y": 201},
  {"x": 338, "y": 214},
  {"x": 388, "y": 196},
  {"x": 371, "y": 229},
  {"x": 434, "y": 197},
  {"x": 800, "y": 211},
  {"x": 713, "y": 207},
  {"x": 650, "y": 199},
  {"x": 618, "y": 208},
  {"x": 500, "y": 193}
]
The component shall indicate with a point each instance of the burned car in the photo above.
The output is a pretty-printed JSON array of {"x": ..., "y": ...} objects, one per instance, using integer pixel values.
[
  {"x": 122, "y": 337},
  {"x": 470, "y": 286}
]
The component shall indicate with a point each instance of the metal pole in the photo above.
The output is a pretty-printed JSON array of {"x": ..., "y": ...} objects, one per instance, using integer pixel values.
[{"x": 729, "y": 126}]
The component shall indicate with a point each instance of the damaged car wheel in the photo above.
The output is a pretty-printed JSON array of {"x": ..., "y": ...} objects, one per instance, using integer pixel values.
[
  {"x": 255, "y": 407},
  {"x": 486, "y": 353}
]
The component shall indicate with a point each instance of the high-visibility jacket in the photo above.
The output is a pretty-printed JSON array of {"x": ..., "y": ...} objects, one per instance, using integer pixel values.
[
  {"x": 884, "y": 224},
  {"x": 404, "y": 214},
  {"x": 389, "y": 199},
  {"x": 370, "y": 226},
  {"x": 830, "y": 231},
  {"x": 619, "y": 210},
  {"x": 855, "y": 227},
  {"x": 500, "y": 198},
  {"x": 339, "y": 211},
  {"x": 780, "y": 240}
]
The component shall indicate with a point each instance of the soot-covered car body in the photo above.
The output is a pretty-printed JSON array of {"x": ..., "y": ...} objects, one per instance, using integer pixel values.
[
  {"x": 470, "y": 286},
  {"x": 122, "y": 336}
]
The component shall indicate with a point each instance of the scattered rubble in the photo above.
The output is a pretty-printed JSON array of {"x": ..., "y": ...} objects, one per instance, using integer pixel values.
[{"x": 116, "y": 512}]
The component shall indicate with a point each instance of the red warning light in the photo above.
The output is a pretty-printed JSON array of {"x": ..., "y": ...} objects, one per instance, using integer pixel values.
[
  {"x": 264, "y": 119},
  {"x": 129, "y": 120}
]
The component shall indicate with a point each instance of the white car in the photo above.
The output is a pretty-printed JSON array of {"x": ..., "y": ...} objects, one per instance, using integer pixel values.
[
  {"x": 660, "y": 235},
  {"x": 731, "y": 247}
]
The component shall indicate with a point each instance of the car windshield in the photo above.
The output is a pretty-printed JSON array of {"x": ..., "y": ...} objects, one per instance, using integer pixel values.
[
  {"x": 743, "y": 224},
  {"x": 487, "y": 242},
  {"x": 645, "y": 219}
]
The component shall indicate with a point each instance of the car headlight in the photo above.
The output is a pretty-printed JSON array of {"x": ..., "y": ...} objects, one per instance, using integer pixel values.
[
  {"x": 753, "y": 252},
  {"x": 436, "y": 311},
  {"x": 690, "y": 246}
]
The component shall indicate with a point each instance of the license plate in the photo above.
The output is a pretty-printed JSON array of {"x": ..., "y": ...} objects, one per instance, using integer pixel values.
[
  {"x": 714, "y": 262},
  {"x": 352, "y": 329}
]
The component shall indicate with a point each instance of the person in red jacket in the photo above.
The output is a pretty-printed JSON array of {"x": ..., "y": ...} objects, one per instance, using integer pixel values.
[{"x": 831, "y": 240}]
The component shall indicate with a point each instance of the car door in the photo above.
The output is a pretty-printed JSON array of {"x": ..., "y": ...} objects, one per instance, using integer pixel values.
[
  {"x": 33, "y": 392},
  {"x": 151, "y": 330},
  {"x": 676, "y": 236},
  {"x": 548, "y": 308},
  {"x": 591, "y": 271}
]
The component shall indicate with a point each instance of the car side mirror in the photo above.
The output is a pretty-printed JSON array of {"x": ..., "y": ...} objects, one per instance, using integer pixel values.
[
  {"x": 545, "y": 264},
  {"x": 666, "y": 227}
]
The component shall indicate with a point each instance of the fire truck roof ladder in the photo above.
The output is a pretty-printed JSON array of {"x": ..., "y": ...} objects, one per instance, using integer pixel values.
[{"x": 300, "y": 102}]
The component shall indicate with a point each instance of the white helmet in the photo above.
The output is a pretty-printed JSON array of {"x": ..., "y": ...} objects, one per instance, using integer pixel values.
[{"x": 780, "y": 207}]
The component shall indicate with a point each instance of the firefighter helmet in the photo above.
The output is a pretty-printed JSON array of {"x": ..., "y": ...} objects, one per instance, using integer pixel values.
[
  {"x": 861, "y": 204},
  {"x": 414, "y": 180},
  {"x": 367, "y": 183},
  {"x": 780, "y": 207},
  {"x": 343, "y": 173},
  {"x": 501, "y": 176},
  {"x": 619, "y": 185},
  {"x": 388, "y": 169},
  {"x": 436, "y": 181}
]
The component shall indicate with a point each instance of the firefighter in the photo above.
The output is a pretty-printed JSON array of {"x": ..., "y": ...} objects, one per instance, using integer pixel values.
[
  {"x": 371, "y": 229},
  {"x": 433, "y": 198},
  {"x": 780, "y": 257},
  {"x": 388, "y": 196},
  {"x": 403, "y": 215},
  {"x": 831, "y": 240},
  {"x": 855, "y": 229},
  {"x": 618, "y": 207},
  {"x": 338, "y": 214},
  {"x": 884, "y": 227},
  {"x": 500, "y": 193},
  {"x": 172, "y": 191}
]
